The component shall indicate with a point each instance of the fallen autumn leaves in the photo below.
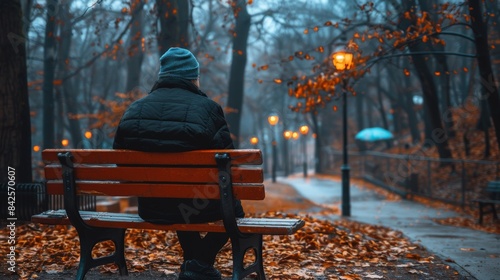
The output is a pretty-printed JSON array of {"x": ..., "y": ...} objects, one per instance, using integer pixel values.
[
  {"x": 338, "y": 250},
  {"x": 323, "y": 249}
]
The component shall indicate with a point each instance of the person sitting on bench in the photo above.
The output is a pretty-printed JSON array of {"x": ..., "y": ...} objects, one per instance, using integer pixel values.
[{"x": 177, "y": 116}]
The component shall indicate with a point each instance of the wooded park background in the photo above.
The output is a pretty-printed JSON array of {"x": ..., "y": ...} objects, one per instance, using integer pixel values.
[{"x": 426, "y": 70}]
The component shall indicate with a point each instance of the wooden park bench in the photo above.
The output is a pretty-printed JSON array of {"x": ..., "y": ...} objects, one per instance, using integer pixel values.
[
  {"x": 493, "y": 189},
  {"x": 204, "y": 174}
]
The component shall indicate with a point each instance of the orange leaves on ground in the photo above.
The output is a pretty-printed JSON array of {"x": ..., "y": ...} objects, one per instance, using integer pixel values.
[{"x": 321, "y": 245}]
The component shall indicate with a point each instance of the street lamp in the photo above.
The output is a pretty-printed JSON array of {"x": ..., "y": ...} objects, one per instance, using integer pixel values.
[
  {"x": 65, "y": 142},
  {"x": 304, "y": 130},
  {"x": 273, "y": 121},
  {"x": 342, "y": 60},
  {"x": 254, "y": 141},
  {"x": 88, "y": 134},
  {"x": 287, "y": 134}
]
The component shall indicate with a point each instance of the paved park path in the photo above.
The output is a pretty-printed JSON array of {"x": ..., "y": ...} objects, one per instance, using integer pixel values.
[{"x": 475, "y": 254}]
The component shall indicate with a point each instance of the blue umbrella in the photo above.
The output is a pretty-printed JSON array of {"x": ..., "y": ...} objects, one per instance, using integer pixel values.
[{"x": 373, "y": 134}]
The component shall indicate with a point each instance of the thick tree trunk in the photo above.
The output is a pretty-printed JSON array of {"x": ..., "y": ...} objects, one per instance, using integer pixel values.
[
  {"x": 435, "y": 133},
  {"x": 318, "y": 168},
  {"x": 490, "y": 90},
  {"x": 360, "y": 118},
  {"x": 443, "y": 69},
  {"x": 174, "y": 19},
  {"x": 135, "y": 53},
  {"x": 49, "y": 54},
  {"x": 412, "y": 116},
  {"x": 69, "y": 94},
  {"x": 238, "y": 63},
  {"x": 15, "y": 128}
]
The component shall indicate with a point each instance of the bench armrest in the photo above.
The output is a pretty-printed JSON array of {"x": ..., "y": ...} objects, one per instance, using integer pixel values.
[
  {"x": 71, "y": 201},
  {"x": 223, "y": 161}
]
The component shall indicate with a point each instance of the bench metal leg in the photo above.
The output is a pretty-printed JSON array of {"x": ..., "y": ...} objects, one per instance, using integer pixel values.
[
  {"x": 240, "y": 246},
  {"x": 494, "y": 211},
  {"x": 483, "y": 211},
  {"x": 90, "y": 238}
]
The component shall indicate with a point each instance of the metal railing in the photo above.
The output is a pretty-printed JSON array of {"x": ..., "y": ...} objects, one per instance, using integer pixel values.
[
  {"x": 32, "y": 198},
  {"x": 449, "y": 180}
]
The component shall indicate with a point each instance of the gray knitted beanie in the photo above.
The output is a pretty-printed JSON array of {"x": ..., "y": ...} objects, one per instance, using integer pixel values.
[{"x": 180, "y": 63}]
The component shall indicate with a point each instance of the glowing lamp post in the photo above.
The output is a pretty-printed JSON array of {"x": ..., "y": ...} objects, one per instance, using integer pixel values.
[
  {"x": 342, "y": 60},
  {"x": 287, "y": 134},
  {"x": 304, "y": 130},
  {"x": 273, "y": 121},
  {"x": 88, "y": 134},
  {"x": 254, "y": 141},
  {"x": 65, "y": 142}
]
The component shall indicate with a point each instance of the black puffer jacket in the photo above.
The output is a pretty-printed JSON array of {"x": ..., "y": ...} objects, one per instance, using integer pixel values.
[{"x": 176, "y": 116}]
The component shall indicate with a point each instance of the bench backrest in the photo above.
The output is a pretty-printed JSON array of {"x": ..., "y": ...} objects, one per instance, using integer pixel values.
[{"x": 193, "y": 174}]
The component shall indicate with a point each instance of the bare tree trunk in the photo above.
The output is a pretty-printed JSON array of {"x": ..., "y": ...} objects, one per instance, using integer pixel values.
[
  {"x": 435, "y": 133},
  {"x": 15, "y": 128},
  {"x": 412, "y": 119},
  {"x": 174, "y": 18},
  {"x": 237, "y": 72},
  {"x": 490, "y": 90},
  {"x": 484, "y": 124},
  {"x": 412, "y": 116},
  {"x": 135, "y": 53},
  {"x": 360, "y": 118},
  {"x": 69, "y": 94},
  {"x": 49, "y": 54},
  {"x": 444, "y": 78},
  {"x": 318, "y": 168},
  {"x": 27, "y": 5}
]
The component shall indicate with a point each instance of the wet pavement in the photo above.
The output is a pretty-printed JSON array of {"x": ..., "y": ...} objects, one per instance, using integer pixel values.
[{"x": 474, "y": 254}]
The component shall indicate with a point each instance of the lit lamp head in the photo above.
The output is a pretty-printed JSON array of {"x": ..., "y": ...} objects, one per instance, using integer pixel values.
[
  {"x": 287, "y": 134},
  {"x": 88, "y": 134},
  {"x": 254, "y": 140},
  {"x": 304, "y": 129},
  {"x": 273, "y": 119},
  {"x": 295, "y": 135},
  {"x": 65, "y": 142},
  {"x": 342, "y": 60}
]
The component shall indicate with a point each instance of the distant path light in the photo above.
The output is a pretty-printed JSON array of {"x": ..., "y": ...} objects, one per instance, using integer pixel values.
[
  {"x": 65, "y": 142},
  {"x": 273, "y": 120},
  {"x": 254, "y": 140},
  {"x": 88, "y": 134},
  {"x": 304, "y": 129},
  {"x": 287, "y": 134}
]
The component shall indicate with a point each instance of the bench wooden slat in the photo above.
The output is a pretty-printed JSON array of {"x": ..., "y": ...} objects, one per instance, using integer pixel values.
[
  {"x": 110, "y": 156},
  {"x": 271, "y": 226},
  {"x": 209, "y": 191},
  {"x": 155, "y": 174}
]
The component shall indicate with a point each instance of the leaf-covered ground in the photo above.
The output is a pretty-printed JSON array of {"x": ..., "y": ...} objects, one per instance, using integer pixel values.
[{"x": 322, "y": 250}]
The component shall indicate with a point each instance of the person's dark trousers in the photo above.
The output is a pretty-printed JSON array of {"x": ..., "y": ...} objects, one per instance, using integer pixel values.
[{"x": 204, "y": 249}]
